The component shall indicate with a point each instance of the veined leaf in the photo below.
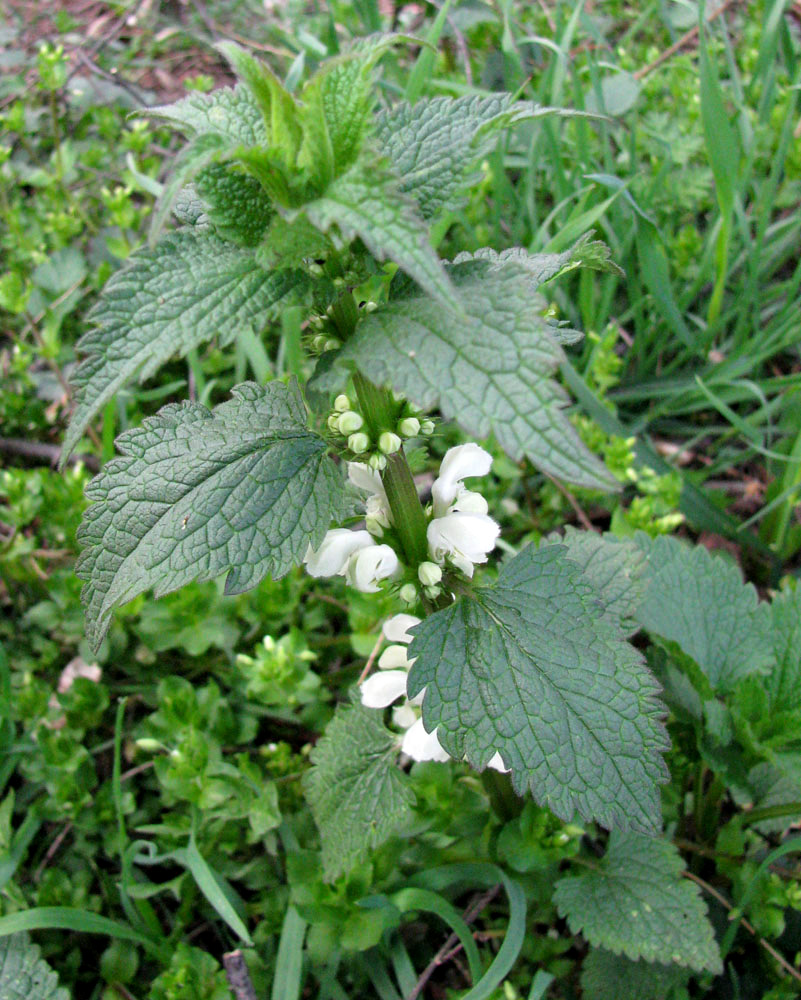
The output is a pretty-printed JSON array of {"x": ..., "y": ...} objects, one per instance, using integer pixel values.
[
  {"x": 783, "y": 684},
  {"x": 337, "y": 109},
  {"x": 189, "y": 288},
  {"x": 615, "y": 566},
  {"x": 699, "y": 601},
  {"x": 228, "y": 111},
  {"x": 241, "y": 490},
  {"x": 279, "y": 111},
  {"x": 636, "y": 903},
  {"x": 356, "y": 791},
  {"x": 23, "y": 974},
  {"x": 488, "y": 368},
  {"x": 237, "y": 205},
  {"x": 369, "y": 205},
  {"x": 605, "y": 976},
  {"x": 534, "y": 668}
]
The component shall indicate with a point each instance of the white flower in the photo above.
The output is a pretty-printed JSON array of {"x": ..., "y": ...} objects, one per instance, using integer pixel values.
[
  {"x": 381, "y": 689},
  {"x": 465, "y": 539},
  {"x": 420, "y": 745},
  {"x": 339, "y": 544},
  {"x": 497, "y": 764},
  {"x": 377, "y": 513},
  {"x": 369, "y": 565},
  {"x": 396, "y": 629},
  {"x": 459, "y": 463}
]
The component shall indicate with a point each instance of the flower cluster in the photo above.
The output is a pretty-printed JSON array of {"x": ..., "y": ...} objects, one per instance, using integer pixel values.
[
  {"x": 460, "y": 533},
  {"x": 389, "y": 684},
  {"x": 345, "y": 421}
]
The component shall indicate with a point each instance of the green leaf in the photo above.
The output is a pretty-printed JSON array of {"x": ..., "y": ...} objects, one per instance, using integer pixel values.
[
  {"x": 238, "y": 206},
  {"x": 232, "y": 112},
  {"x": 699, "y": 601},
  {"x": 337, "y": 110},
  {"x": 278, "y": 108},
  {"x": 615, "y": 567},
  {"x": 636, "y": 903},
  {"x": 783, "y": 683},
  {"x": 289, "y": 244},
  {"x": 23, "y": 974},
  {"x": 368, "y": 204},
  {"x": 356, "y": 791},
  {"x": 489, "y": 367},
  {"x": 429, "y": 144},
  {"x": 605, "y": 976},
  {"x": 188, "y": 289},
  {"x": 535, "y": 669},
  {"x": 241, "y": 490}
]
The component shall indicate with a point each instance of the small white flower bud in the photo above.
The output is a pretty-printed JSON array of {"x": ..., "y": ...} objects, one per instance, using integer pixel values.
[
  {"x": 333, "y": 423},
  {"x": 148, "y": 744},
  {"x": 318, "y": 343},
  {"x": 350, "y": 421},
  {"x": 389, "y": 443},
  {"x": 409, "y": 427},
  {"x": 341, "y": 403},
  {"x": 432, "y": 593},
  {"x": 359, "y": 443},
  {"x": 339, "y": 282},
  {"x": 370, "y": 307},
  {"x": 377, "y": 462},
  {"x": 332, "y": 344},
  {"x": 315, "y": 270},
  {"x": 427, "y": 427},
  {"x": 429, "y": 574},
  {"x": 408, "y": 593}
]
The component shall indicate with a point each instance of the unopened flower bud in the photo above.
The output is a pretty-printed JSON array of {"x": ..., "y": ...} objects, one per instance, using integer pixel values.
[
  {"x": 370, "y": 307},
  {"x": 427, "y": 427},
  {"x": 332, "y": 344},
  {"x": 409, "y": 427},
  {"x": 349, "y": 421},
  {"x": 148, "y": 744},
  {"x": 389, "y": 443},
  {"x": 341, "y": 403},
  {"x": 333, "y": 423},
  {"x": 432, "y": 593},
  {"x": 359, "y": 443},
  {"x": 318, "y": 343},
  {"x": 377, "y": 462},
  {"x": 429, "y": 574},
  {"x": 315, "y": 270},
  {"x": 408, "y": 593}
]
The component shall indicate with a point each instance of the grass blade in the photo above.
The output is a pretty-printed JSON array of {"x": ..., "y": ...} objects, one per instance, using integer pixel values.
[{"x": 289, "y": 961}]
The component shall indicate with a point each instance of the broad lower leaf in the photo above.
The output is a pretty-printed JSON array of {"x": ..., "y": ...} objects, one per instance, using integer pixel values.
[
  {"x": 534, "y": 668},
  {"x": 615, "y": 566},
  {"x": 237, "y": 205},
  {"x": 783, "y": 684},
  {"x": 637, "y": 904},
  {"x": 542, "y": 267},
  {"x": 23, "y": 974},
  {"x": 605, "y": 976},
  {"x": 700, "y": 602},
  {"x": 367, "y": 203},
  {"x": 241, "y": 490},
  {"x": 356, "y": 791},
  {"x": 232, "y": 112},
  {"x": 489, "y": 368},
  {"x": 188, "y": 289}
]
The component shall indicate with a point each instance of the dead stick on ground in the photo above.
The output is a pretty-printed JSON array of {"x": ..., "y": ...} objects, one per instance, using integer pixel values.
[
  {"x": 41, "y": 451},
  {"x": 685, "y": 39},
  {"x": 789, "y": 969},
  {"x": 238, "y": 976}
]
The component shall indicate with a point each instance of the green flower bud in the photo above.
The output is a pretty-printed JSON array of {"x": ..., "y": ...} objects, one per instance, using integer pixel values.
[
  {"x": 389, "y": 443},
  {"x": 374, "y": 526},
  {"x": 333, "y": 423},
  {"x": 370, "y": 307},
  {"x": 318, "y": 343},
  {"x": 409, "y": 427},
  {"x": 427, "y": 427},
  {"x": 341, "y": 403},
  {"x": 350, "y": 421},
  {"x": 408, "y": 593},
  {"x": 429, "y": 574},
  {"x": 432, "y": 593},
  {"x": 359, "y": 443},
  {"x": 148, "y": 744},
  {"x": 377, "y": 462}
]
